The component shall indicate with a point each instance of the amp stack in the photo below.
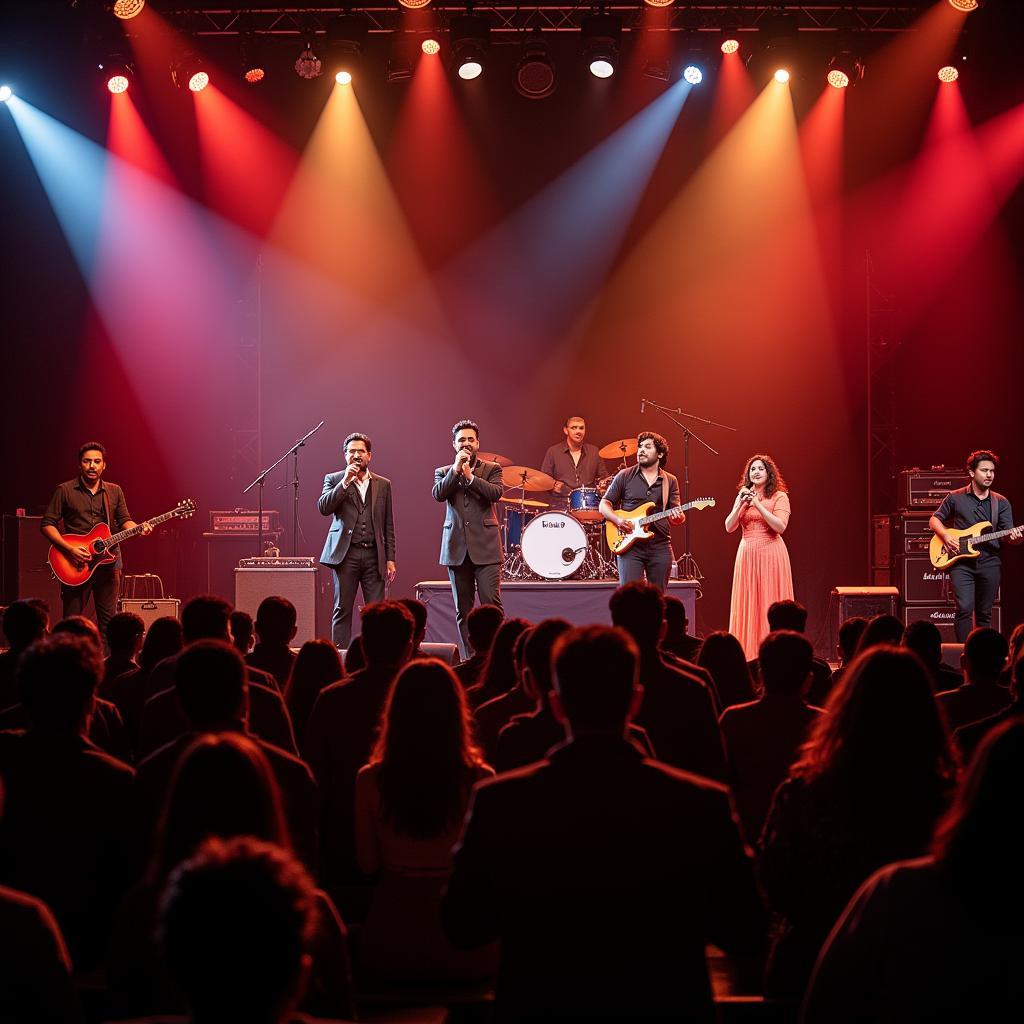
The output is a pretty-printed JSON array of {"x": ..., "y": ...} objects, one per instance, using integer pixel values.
[{"x": 900, "y": 549}]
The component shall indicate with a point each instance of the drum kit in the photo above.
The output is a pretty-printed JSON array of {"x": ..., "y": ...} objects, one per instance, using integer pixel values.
[{"x": 546, "y": 541}]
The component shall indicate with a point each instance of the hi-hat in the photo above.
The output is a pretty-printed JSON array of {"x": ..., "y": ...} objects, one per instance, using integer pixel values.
[
  {"x": 619, "y": 449},
  {"x": 526, "y": 479},
  {"x": 525, "y": 502},
  {"x": 501, "y": 460}
]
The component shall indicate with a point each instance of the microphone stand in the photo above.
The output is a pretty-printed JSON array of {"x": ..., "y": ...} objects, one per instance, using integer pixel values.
[
  {"x": 686, "y": 563},
  {"x": 261, "y": 479}
]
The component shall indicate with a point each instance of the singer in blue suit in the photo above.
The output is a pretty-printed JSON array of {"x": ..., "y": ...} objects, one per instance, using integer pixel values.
[
  {"x": 360, "y": 545},
  {"x": 470, "y": 540}
]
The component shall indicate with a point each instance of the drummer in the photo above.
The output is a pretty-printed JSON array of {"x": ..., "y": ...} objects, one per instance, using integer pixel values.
[{"x": 573, "y": 463}]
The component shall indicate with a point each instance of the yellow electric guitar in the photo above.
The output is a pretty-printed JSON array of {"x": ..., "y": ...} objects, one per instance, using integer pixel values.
[
  {"x": 942, "y": 559},
  {"x": 619, "y": 541}
]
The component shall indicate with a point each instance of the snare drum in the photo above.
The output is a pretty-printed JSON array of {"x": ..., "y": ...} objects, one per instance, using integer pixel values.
[
  {"x": 554, "y": 545},
  {"x": 584, "y": 504}
]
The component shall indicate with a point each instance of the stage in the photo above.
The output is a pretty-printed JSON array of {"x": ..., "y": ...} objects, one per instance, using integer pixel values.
[{"x": 583, "y": 603}]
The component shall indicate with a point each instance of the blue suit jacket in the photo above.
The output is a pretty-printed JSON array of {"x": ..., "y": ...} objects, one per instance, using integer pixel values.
[
  {"x": 341, "y": 502},
  {"x": 470, "y": 522}
]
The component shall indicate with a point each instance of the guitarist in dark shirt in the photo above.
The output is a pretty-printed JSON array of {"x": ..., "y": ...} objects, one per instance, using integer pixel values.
[
  {"x": 975, "y": 580},
  {"x": 81, "y": 504}
]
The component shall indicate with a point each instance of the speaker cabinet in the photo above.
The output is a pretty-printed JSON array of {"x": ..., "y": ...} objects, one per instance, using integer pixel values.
[
  {"x": 26, "y": 572},
  {"x": 300, "y": 586},
  {"x": 151, "y": 608},
  {"x": 944, "y": 616}
]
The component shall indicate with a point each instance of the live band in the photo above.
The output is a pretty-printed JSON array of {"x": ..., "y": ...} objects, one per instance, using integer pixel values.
[{"x": 615, "y": 502}]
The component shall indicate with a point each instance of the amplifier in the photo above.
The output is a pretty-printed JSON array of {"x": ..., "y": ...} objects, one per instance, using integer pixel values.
[
  {"x": 944, "y": 615},
  {"x": 278, "y": 562},
  {"x": 911, "y": 534},
  {"x": 245, "y": 521},
  {"x": 925, "y": 488},
  {"x": 864, "y": 601},
  {"x": 151, "y": 608},
  {"x": 920, "y": 582},
  {"x": 299, "y": 585}
]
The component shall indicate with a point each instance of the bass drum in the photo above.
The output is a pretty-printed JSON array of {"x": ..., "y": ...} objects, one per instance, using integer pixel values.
[{"x": 554, "y": 545}]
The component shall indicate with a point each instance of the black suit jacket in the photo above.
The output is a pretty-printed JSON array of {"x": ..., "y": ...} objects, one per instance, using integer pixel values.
[
  {"x": 603, "y": 874},
  {"x": 341, "y": 502},
  {"x": 470, "y": 522}
]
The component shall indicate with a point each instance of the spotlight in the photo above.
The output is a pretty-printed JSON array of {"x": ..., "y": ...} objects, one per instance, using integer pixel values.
[
  {"x": 535, "y": 72},
  {"x": 5, "y": 93},
  {"x": 254, "y": 65},
  {"x": 601, "y": 33},
  {"x": 659, "y": 3},
  {"x": 117, "y": 74},
  {"x": 948, "y": 74},
  {"x": 844, "y": 69},
  {"x": 966, "y": 5},
  {"x": 693, "y": 74},
  {"x": 414, "y": 5},
  {"x": 189, "y": 73},
  {"x": 782, "y": 76},
  {"x": 730, "y": 44},
  {"x": 430, "y": 47},
  {"x": 780, "y": 33},
  {"x": 346, "y": 39},
  {"x": 469, "y": 37},
  {"x": 308, "y": 65},
  {"x": 127, "y": 9},
  {"x": 343, "y": 78}
]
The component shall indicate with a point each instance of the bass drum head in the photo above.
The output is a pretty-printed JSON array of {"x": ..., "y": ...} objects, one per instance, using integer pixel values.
[{"x": 554, "y": 545}]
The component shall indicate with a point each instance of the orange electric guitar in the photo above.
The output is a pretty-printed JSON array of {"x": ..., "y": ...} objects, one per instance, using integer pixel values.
[
  {"x": 618, "y": 541},
  {"x": 942, "y": 559},
  {"x": 74, "y": 573}
]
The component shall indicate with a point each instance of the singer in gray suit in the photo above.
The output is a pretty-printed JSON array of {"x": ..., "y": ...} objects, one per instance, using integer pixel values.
[
  {"x": 470, "y": 540},
  {"x": 360, "y": 545}
]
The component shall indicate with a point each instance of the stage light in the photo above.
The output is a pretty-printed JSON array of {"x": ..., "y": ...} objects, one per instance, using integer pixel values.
[
  {"x": 346, "y": 40},
  {"x": 693, "y": 74},
  {"x": 254, "y": 64},
  {"x": 308, "y": 65},
  {"x": 659, "y": 3},
  {"x": 844, "y": 69},
  {"x": 966, "y": 5},
  {"x": 730, "y": 45},
  {"x": 189, "y": 73},
  {"x": 343, "y": 78},
  {"x": 127, "y": 9},
  {"x": 414, "y": 5},
  {"x": 601, "y": 34},
  {"x": 430, "y": 47},
  {"x": 117, "y": 74},
  {"x": 535, "y": 72},
  {"x": 5, "y": 93},
  {"x": 782, "y": 76},
  {"x": 948, "y": 74},
  {"x": 469, "y": 34},
  {"x": 780, "y": 34}
]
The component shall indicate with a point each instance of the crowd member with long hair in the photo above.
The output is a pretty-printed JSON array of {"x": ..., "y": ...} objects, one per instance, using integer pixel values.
[
  {"x": 222, "y": 786},
  {"x": 317, "y": 665},
  {"x": 875, "y": 775},
  {"x": 498, "y": 675},
  {"x": 762, "y": 574},
  {"x": 722, "y": 655},
  {"x": 939, "y": 938},
  {"x": 410, "y": 802}
]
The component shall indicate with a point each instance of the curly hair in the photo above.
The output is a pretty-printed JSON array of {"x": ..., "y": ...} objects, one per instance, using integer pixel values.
[
  {"x": 660, "y": 445},
  {"x": 981, "y": 455},
  {"x": 775, "y": 481}
]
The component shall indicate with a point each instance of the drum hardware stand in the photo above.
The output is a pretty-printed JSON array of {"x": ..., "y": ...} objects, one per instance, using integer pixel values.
[
  {"x": 514, "y": 568},
  {"x": 686, "y": 563}
]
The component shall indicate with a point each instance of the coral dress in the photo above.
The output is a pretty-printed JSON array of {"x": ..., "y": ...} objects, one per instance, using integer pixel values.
[{"x": 762, "y": 575}]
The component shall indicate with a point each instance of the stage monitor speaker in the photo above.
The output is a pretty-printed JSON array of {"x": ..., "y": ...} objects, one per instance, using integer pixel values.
[
  {"x": 151, "y": 608},
  {"x": 944, "y": 616},
  {"x": 298, "y": 585},
  {"x": 859, "y": 601},
  {"x": 26, "y": 573}
]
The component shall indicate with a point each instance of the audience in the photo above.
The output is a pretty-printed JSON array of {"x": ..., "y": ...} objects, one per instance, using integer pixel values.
[
  {"x": 317, "y": 665},
  {"x": 275, "y": 629},
  {"x": 223, "y": 785},
  {"x": 64, "y": 837},
  {"x": 939, "y": 938},
  {"x": 762, "y": 738},
  {"x": 981, "y": 693},
  {"x": 410, "y": 802},
  {"x": 482, "y": 625},
  {"x": 875, "y": 775},
  {"x": 602, "y": 873},
  {"x": 881, "y": 630},
  {"x": 969, "y": 737},
  {"x": 722, "y": 655},
  {"x": 418, "y": 611},
  {"x": 850, "y": 632},
  {"x": 498, "y": 675},
  {"x": 678, "y": 710},
  {"x": 1016, "y": 645},
  {"x": 493, "y": 715},
  {"x": 792, "y": 615},
  {"x": 125, "y": 631},
  {"x": 236, "y": 927},
  {"x": 243, "y": 632},
  {"x": 924, "y": 638},
  {"x": 677, "y": 639},
  {"x": 23, "y": 623}
]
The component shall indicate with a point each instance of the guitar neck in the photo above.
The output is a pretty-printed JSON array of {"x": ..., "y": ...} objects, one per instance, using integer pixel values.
[
  {"x": 654, "y": 517},
  {"x": 984, "y": 538},
  {"x": 116, "y": 538}
]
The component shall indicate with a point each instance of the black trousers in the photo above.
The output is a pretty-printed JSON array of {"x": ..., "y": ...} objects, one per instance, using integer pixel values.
[
  {"x": 650, "y": 557},
  {"x": 975, "y": 585},
  {"x": 103, "y": 587},
  {"x": 469, "y": 580},
  {"x": 359, "y": 569}
]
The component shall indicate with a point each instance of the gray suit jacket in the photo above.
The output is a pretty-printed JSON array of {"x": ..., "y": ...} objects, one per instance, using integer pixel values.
[
  {"x": 470, "y": 522},
  {"x": 341, "y": 502}
]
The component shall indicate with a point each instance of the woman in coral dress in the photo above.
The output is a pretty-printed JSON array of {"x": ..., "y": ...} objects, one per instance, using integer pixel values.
[{"x": 762, "y": 575}]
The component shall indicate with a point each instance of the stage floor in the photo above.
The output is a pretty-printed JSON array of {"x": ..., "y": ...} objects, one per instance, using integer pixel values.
[{"x": 583, "y": 603}]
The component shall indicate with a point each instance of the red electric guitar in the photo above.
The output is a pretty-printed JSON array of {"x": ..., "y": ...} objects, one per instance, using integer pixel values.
[{"x": 73, "y": 572}]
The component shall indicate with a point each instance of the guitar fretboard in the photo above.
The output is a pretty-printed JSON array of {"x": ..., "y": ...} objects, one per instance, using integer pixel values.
[
  {"x": 655, "y": 516},
  {"x": 116, "y": 538},
  {"x": 984, "y": 538}
]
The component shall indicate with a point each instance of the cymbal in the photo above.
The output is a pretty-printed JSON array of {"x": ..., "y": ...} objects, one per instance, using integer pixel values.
[
  {"x": 525, "y": 502},
  {"x": 501, "y": 460},
  {"x": 619, "y": 449},
  {"x": 524, "y": 478}
]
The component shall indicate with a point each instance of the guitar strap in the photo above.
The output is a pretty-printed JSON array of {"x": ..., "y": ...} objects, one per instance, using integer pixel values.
[{"x": 664, "y": 490}]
